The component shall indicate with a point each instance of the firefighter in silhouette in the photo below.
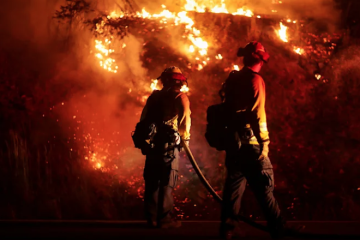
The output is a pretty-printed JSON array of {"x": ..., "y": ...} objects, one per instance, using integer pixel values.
[
  {"x": 247, "y": 160},
  {"x": 169, "y": 110}
]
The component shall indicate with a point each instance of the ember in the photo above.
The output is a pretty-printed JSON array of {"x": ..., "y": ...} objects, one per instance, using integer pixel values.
[{"x": 103, "y": 53}]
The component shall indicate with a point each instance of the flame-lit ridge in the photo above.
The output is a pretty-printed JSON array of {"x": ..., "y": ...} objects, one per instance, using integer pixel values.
[
  {"x": 197, "y": 48},
  {"x": 192, "y": 5},
  {"x": 246, "y": 13}
]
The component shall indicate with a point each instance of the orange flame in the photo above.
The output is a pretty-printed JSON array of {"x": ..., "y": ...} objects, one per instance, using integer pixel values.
[
  {"x": 103, "y": 52},
  {"x": 282, "y": 32},
  {"x": 153, "y": 85},
  {"x": 198, "y": 46},
  {"x": 298, "y": 50}
]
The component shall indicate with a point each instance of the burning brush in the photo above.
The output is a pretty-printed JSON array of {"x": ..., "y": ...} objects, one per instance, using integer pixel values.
[{"x": 198, "y": 49}]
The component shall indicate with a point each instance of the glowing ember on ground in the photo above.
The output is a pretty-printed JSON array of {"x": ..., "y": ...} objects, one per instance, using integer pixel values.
[
  {"x": 219, "y": 56},
  {"x": 299, "y": 50},
  {"x": 318, "y": 76},
  {"x": 282, "y": 32}
]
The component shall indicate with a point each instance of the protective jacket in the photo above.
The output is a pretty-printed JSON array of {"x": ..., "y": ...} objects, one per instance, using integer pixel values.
[
  {"x": 171, "y": 108},
  {"x": 244, "y": 95}
]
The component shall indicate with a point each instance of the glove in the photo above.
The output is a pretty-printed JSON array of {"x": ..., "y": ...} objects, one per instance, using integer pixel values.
[
  {"x": 264, "y": 151},
  {"x": 185, "y": 142}
]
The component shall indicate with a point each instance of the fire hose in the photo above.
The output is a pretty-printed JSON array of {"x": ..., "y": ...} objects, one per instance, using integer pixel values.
[{"x": 247, "y": 220}]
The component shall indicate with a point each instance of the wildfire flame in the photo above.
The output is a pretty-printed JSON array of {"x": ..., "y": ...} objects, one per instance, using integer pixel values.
[
  {"x": 103, "y": 52},
  {"x": 198, "y": 46},
  {"x": 153, "y": 85},
  {"x": 282, "y": 32},
  {"x": 192, "y": 5},
  {"x": 246, "y": 13},
  {"x": 198, "y": 49},
  {"x": 298, "y": 50}
]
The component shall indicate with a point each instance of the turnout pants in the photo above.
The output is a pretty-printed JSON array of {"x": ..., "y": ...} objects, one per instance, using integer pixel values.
[
  {"x": 243, "y": 166},
  {"x": 160, "y": 177}
]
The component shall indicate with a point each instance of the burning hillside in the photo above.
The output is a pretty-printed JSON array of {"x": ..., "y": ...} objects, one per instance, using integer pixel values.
[
  {"x": 197, "y": 45},
  {"x": 97, "y": 91}
]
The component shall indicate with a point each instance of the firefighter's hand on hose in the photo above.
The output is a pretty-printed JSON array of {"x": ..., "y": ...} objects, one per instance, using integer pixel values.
[
  {"x": 187, "y": 141},
  {"x": 262, "y": 157},
  {"x": 264, "y": 148}
]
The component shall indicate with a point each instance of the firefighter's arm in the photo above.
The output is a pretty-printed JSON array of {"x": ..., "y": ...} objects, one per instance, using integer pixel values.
[
  {"x": 259, "y": 124},
  {"x": 184, "y": 117}
]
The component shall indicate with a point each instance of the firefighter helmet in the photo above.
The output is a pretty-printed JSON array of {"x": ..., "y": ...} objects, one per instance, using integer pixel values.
[
  {"x": 254, "y": 48},
  {"x": 172, "y": 75}
]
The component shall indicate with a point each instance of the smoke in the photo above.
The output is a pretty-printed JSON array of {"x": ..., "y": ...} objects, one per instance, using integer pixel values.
[{"x": 92, "y": 106}]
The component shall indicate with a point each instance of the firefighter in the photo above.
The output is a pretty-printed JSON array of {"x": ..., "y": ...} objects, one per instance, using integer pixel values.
[
  {"x": 169, "y": 109},
  {"x": 243, "y": 95}
]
